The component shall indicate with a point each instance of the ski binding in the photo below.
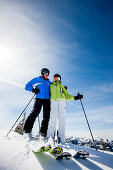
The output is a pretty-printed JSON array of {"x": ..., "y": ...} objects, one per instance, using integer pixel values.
[
  {"x": 45, "y": 149},
  {"x": 66, "y": 155},
  {"x": 57, "y": 150},
  {"x": 81, "y": 154}
]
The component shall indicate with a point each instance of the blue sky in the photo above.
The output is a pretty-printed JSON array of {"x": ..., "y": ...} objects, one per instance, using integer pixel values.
[{"x": 71, "y": 37}]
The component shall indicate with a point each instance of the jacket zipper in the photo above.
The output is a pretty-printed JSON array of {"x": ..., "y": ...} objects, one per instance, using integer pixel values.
[
  {"x": 56, "y": 91},
  {"x": 44, "y": 88}
]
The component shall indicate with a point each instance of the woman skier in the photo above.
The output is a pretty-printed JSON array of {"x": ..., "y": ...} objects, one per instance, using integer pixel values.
[{"x": 58, "y": 98}]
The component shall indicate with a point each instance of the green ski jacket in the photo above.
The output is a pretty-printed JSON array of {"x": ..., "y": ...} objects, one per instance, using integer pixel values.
[{"x": 58, "y": 92}]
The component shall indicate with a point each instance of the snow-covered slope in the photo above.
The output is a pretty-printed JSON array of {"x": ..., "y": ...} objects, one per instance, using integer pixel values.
[{"x": 16, "y": 155}]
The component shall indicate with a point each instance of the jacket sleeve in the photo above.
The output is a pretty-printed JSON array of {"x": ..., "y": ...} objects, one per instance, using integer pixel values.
[
  {"x": 29, "y": 85},
  {"x": 66, "y": 94}
]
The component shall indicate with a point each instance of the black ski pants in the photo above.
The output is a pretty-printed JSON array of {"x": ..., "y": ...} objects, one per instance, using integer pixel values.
[{"x": 34, "y": 114}]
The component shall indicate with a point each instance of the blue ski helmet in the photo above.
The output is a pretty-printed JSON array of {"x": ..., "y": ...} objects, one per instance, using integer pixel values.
[{"x": 45, "y": 71}]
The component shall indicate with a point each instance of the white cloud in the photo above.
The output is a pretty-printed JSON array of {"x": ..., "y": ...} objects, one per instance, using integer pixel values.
[
  {"x": 109, "y": 121},
  {"x": 95, "y": 114},
  {"x": 106, "y": 88},
  {"x": 12, "y": 83}
]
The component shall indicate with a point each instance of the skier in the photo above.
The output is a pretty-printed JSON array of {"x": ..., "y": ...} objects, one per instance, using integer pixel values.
[
  {"x": 41, "y": 87},
  {"x": 58, "y": 98}
]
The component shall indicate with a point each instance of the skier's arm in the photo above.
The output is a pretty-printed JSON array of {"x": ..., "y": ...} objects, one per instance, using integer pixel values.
[
  {"x": 30, "y": 84},
  {"x": 66, "y": 94}
]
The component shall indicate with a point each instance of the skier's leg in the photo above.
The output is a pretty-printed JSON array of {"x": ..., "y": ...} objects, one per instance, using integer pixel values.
[
  {"x": 53, "y": 119},
  {"x": 46, "y": 116},
  {"x": 33, "y": 115},
  {"x": 61, "y": 120}
]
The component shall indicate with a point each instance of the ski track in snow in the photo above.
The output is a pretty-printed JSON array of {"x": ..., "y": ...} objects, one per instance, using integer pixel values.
[{"x": 15, "y": 154}]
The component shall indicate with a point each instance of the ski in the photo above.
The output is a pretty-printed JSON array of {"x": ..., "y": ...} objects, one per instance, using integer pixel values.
[
  {"x": 78, "y": 154},
  {"x": 40, "y": 146},
  {"x": 65, "y": 155},
  {"x": 45, "y": 149},
  {"x": 81, "y": 154},
  {"x": 56, "y": 150}
]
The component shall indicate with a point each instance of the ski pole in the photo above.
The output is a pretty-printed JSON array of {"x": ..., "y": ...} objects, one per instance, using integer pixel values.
[
  {"x": 20, "y": 115},
  {"x": 39, "y": 123},
  {"x": 86, "y": 120},
  {"x": 23, "y": 121},
  {"x": 88, "y": 124}
]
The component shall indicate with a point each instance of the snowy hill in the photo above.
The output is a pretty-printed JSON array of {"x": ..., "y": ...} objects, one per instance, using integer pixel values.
[{"x": 16, "y": 155}]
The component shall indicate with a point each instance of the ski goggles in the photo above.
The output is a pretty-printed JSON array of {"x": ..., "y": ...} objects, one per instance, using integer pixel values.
[{"x": 47, "y": 74}]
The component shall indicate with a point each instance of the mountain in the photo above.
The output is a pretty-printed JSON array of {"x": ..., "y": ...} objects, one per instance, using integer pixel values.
[
  {"x": 15, "y": 154},
  {"x": 100, "y": 144}
]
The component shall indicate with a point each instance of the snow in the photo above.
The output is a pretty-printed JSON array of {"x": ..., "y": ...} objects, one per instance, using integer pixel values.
[{"x": 15, "y": 154}]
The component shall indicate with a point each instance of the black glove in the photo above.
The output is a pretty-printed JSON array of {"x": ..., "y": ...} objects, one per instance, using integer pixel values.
[
  {"x": 36, "y": 90},
  {"x": 78, "y": 97}
]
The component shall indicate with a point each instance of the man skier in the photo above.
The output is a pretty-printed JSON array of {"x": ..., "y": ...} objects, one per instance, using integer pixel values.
[
  {"x": 41, "y": 87},
  {"x": 59, "y": 95}
]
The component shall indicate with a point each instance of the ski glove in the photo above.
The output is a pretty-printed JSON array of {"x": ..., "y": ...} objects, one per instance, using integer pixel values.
[
  {"x": 36, "y": 90},
  {"x": 79, "y": 96}
]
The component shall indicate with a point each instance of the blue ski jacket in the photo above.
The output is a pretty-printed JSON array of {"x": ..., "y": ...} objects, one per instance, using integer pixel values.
[{"x": 42, "y": 85}]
